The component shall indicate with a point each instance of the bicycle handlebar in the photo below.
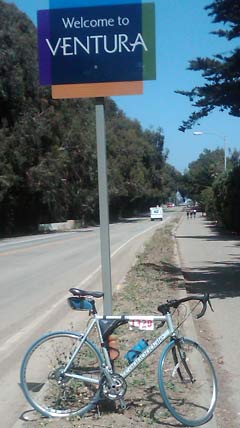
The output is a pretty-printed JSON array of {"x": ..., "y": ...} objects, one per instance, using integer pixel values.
[
  {"x": 164, "y": 308},
  {"x": 203, "y": 298}
]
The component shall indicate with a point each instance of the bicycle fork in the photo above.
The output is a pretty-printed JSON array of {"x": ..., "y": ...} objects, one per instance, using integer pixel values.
[{"x": 180, "y": 360}]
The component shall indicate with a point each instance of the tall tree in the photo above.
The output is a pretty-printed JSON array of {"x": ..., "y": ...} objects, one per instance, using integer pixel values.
[
  {"x": 226, "y": 192},
  {"x": 202, "y": 172},
  {"x": 222, "y": 72},
  {"x": 48, "y": 160},
  {"x": 172, "y": 181},
  {"x": 135, "y": 159},
  {"x": 18, "y": 64}
]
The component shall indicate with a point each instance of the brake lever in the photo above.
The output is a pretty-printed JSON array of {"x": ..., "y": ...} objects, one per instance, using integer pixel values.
[{"x": 204, "y": 308}]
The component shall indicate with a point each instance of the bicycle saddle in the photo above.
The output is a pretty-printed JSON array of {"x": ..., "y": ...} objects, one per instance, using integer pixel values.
[{"x": 82, "y": 293}]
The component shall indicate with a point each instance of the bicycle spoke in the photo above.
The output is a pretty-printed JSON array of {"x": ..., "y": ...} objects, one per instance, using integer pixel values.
[
  {"x": 46, "y": 386},
  {"x": 187, "y": 382}
]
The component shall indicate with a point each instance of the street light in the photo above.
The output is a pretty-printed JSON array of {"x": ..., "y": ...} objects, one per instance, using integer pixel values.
[{"x": 224, "y": 138}]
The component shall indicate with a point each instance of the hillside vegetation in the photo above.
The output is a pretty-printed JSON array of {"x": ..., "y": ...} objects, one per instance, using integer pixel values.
[{"x": 48, "y": 161}]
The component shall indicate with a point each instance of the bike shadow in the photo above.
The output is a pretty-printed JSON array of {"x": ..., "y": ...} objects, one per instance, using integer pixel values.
[{"x": 152, "y": 408}]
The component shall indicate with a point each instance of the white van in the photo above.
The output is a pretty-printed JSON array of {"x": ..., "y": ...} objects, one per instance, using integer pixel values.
[{"x": 156, "y": 213}]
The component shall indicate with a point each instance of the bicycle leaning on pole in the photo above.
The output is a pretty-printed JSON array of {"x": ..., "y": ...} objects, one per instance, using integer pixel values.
[{"x": 65, "y": 373}]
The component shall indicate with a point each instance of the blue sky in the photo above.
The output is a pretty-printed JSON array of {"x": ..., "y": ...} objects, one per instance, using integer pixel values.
[{"x": 182, "y": 34}]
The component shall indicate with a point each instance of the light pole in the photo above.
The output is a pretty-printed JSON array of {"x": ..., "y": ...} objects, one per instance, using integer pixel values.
[{"x": 224, "y": 138}]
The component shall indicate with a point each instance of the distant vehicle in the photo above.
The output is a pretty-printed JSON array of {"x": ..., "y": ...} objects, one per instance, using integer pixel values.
[
  {"x": 156, "y": 213},
  {"x": 170, "y": 205}
]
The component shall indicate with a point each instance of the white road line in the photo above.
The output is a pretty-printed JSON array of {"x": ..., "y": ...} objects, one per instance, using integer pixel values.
[{"x": 25, "y": 331}]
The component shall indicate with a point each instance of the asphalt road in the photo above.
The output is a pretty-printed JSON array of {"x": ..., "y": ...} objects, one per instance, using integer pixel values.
[{"x": 36, "y": 273}]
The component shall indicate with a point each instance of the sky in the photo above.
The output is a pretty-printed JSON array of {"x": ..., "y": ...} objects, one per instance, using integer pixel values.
[{"x": 182, "y": 34}]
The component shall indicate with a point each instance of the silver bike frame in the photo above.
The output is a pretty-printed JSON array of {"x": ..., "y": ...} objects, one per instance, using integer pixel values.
[{"x": 170, "y": 331}]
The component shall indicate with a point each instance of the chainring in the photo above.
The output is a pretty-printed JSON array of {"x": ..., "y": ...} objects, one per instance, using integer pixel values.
[{"x": 116, "y": 390}]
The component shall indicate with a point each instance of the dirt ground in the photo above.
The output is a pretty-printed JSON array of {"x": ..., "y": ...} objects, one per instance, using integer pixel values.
[{"x": 155, "y": 278}]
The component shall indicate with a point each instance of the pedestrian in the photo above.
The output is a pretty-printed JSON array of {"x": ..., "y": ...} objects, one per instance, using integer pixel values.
[
  {"x": 191, "y": 213},
  {"x": 187, "y": 214},
  {"x": 194, "y": 213}
]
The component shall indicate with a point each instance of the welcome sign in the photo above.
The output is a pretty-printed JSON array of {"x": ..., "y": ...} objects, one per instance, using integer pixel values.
[{"x": 97, "y": 44}]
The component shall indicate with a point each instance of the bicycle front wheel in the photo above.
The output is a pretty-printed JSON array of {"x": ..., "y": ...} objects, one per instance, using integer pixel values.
[
  {"x": 188, "y": 382},
  {"x": 53, "y": 393}
]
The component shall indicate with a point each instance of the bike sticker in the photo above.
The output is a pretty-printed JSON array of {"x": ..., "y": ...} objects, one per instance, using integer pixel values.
[{"x": 142, "y": 324}]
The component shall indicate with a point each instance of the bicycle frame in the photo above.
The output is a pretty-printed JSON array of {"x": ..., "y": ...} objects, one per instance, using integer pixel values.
[
  {"x": 58, "y": 366},
  {"x": 107, "y": 368}
]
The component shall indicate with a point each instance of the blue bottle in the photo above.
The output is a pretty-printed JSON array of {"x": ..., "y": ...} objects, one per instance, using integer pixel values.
[{"x": 136, "y": 350}]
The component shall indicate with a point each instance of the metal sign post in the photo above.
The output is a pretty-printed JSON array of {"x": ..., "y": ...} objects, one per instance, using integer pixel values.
[
  {"x": 103, "y": 206},
  {"x": 82, "y": 51}
]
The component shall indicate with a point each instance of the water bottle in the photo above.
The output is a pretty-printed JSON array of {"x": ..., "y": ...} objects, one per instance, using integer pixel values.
[
  {"x": 136, "y": 350},
  {"x": 113, "y": 346}
]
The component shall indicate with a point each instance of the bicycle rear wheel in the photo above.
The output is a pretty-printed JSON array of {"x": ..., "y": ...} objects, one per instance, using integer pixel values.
[
  {"x": 47, "y": 390},
  {"x": 188, "y": 382}
]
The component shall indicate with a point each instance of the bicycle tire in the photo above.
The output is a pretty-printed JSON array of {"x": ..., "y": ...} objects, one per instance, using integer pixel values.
[
  {"x": 188, "y": 382},
  {"x": 41, "y": 370}
]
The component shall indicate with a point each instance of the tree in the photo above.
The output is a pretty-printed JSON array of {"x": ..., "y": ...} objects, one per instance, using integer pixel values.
[
  {"x": 64, "y": 175},
  {"x": 171, "y": 183},
  {"x": 135, "y": 160},
  {"x": 222, "y": 73},
  {"x": 202, "y": 172},
  {"x": 48, "y": 159},
  {"x": 207, "y": 202},
  {"x": 18, "y": 64},
  {"x": 226, "y": 190}
]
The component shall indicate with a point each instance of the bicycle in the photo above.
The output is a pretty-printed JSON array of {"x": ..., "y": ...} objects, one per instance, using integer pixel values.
[{"x": 65, "y": 373}]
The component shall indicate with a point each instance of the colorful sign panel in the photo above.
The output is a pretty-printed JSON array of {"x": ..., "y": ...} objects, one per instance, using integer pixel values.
[
  {"x": 97, "y": 44},
  {"x": 95, "y": 90}
]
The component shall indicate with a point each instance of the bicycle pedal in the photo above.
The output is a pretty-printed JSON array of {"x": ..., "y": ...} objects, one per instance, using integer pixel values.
[{"x": 123, "y": 404}]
